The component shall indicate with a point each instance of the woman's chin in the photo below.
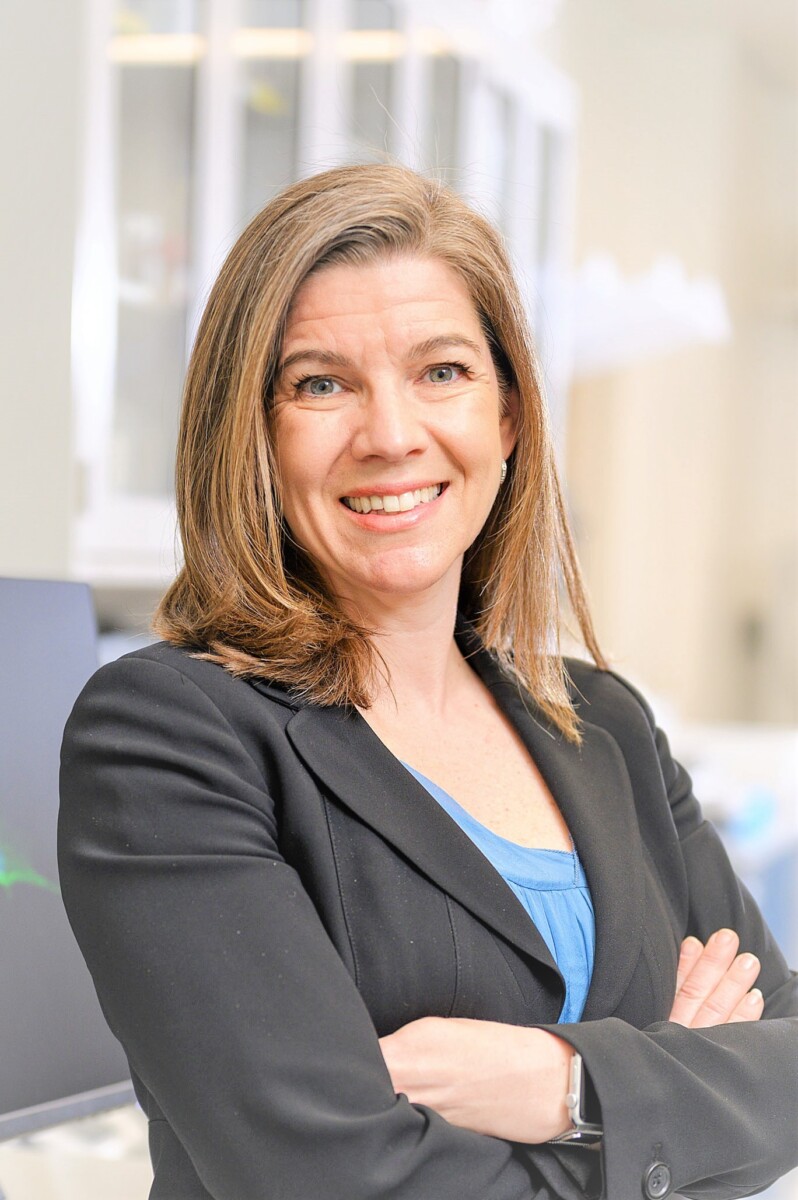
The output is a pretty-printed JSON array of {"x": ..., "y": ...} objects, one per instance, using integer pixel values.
[{"x": 396, "y": 582}]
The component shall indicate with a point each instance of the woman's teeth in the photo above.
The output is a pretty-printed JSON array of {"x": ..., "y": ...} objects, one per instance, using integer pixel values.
[{"x": 393, "y": 504}]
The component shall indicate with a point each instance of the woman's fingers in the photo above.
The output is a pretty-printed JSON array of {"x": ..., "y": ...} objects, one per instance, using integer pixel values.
[
  {"x": 750, "y": 1007},
  {"x": 729, "y": 995},
  {"x": 703, "y": 974},
  {"x": 690, "y": 954},
  {"x": 714, "y": 981}
]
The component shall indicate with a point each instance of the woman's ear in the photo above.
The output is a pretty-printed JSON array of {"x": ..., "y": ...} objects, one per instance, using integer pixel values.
[{"x": 508, "y": 424}]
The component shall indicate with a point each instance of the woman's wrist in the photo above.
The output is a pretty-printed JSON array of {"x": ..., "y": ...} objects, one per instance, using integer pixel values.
[
  {"x": 582, "y": 1132},
  {"x": 558, "y": 1056}
]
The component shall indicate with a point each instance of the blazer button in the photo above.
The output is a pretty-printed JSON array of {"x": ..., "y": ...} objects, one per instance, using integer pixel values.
[{"x": 657, "y": 1181}]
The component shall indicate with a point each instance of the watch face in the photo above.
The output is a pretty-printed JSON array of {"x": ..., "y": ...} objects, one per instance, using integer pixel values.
[{"x": 583, "y": 1133}]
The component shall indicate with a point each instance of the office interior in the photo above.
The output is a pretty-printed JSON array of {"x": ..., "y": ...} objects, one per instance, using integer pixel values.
[{"x": 641, "y": 160}]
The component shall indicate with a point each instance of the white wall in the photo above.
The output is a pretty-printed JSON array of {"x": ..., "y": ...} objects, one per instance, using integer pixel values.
[
  {"x": 682, "y": 470},
  {"x": 38, "y": 183}
]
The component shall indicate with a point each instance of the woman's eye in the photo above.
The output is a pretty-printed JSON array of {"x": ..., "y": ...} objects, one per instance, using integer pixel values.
[
  {"x": 318, "y": 385},
  {"x": 445, "y": 373}
]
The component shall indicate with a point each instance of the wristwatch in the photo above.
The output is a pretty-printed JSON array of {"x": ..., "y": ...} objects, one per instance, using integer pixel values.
[{"x": 584, "y": 1133}]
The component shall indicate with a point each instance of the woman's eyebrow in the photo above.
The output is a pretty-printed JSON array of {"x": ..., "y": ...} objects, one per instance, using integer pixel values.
[
  {"x": 442, "y": 341},
  {"x": 327, "y": 358},
  {"x": 330, "y": 358}
]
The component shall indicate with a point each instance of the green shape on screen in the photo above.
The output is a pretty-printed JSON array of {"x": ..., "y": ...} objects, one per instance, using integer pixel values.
[{"x": 14, "y": 870}]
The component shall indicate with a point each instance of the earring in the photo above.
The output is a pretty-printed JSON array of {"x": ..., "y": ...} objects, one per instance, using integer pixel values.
[{"x": 503, "y": 475}]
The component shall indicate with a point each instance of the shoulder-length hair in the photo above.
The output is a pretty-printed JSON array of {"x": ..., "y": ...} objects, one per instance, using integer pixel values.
[{"x": 247, "y": 597}]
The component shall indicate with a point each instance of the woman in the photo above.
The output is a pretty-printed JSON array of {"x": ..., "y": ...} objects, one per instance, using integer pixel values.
[{"x": 357, "y": 861}]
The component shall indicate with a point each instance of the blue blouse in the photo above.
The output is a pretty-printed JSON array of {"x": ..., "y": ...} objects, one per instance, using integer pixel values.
[{"x": 552, "y": 887}]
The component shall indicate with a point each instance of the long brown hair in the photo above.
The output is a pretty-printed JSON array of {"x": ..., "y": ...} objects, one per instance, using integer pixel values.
[{"x": 246, "y": 597}]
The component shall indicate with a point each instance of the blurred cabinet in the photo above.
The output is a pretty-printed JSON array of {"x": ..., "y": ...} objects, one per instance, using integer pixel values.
[{"x": 197, "y": 113}]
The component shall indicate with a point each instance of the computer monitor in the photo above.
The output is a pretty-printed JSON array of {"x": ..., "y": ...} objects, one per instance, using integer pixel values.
[{"x": 58, "y": 1059}]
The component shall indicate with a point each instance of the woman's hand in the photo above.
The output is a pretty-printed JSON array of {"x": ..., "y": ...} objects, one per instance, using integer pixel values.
[
  {"x": 504, "y": 1080},
  {"x": 714, "y": 984}
]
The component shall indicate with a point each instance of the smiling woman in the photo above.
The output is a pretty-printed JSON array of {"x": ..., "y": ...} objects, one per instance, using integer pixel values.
[
  {"x": 282, "y": 324},
  {"x": 382, "y": 896}
]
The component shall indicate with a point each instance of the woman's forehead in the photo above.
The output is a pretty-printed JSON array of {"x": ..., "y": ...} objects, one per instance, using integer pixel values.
[{"x": 410, "y": 297}]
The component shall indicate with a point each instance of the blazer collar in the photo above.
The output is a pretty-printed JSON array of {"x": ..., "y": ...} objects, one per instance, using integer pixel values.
[{"x": 589, "y": 782}]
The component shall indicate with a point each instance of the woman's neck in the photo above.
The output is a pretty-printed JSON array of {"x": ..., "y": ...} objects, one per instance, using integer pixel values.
[{"x": 423, "y": 667}]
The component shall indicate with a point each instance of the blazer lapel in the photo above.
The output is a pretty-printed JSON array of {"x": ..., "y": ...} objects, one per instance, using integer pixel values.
[
  {"x": 343, "y": 752},
  {"x": 591, "y": 786}
]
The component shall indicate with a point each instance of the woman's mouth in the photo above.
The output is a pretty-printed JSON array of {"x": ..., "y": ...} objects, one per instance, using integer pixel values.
[{"x": 392, "y": 502}]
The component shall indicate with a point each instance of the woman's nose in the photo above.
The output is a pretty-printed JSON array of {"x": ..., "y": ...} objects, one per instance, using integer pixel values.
[{"x": 389, "y": 425}]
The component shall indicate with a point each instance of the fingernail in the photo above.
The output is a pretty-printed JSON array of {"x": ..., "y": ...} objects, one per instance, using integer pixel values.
[
  {"x": 748, "y": 962},
  {"x": 691, "y": 945},
  {"x": 754, "y": 996},
  {"x": 724, "y": 937}
]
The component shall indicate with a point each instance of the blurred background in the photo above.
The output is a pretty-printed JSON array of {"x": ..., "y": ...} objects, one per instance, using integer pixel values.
[{"x": 641, "y": 159}]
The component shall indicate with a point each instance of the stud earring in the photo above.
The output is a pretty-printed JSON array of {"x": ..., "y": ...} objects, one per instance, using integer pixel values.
[{"x": 503, "y": 475}]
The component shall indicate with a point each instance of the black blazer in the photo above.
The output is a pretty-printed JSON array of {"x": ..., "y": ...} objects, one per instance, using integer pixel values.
[{"x": 260, "y": 890}]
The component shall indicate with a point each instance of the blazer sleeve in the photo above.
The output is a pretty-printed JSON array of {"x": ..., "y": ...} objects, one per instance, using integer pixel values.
[
  {"x": 709, "y": 1113},
  {"x": 216, "y": 974}
]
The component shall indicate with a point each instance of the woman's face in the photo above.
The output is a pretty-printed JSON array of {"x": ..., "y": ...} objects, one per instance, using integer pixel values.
[{"x": 388, "y": 428}]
